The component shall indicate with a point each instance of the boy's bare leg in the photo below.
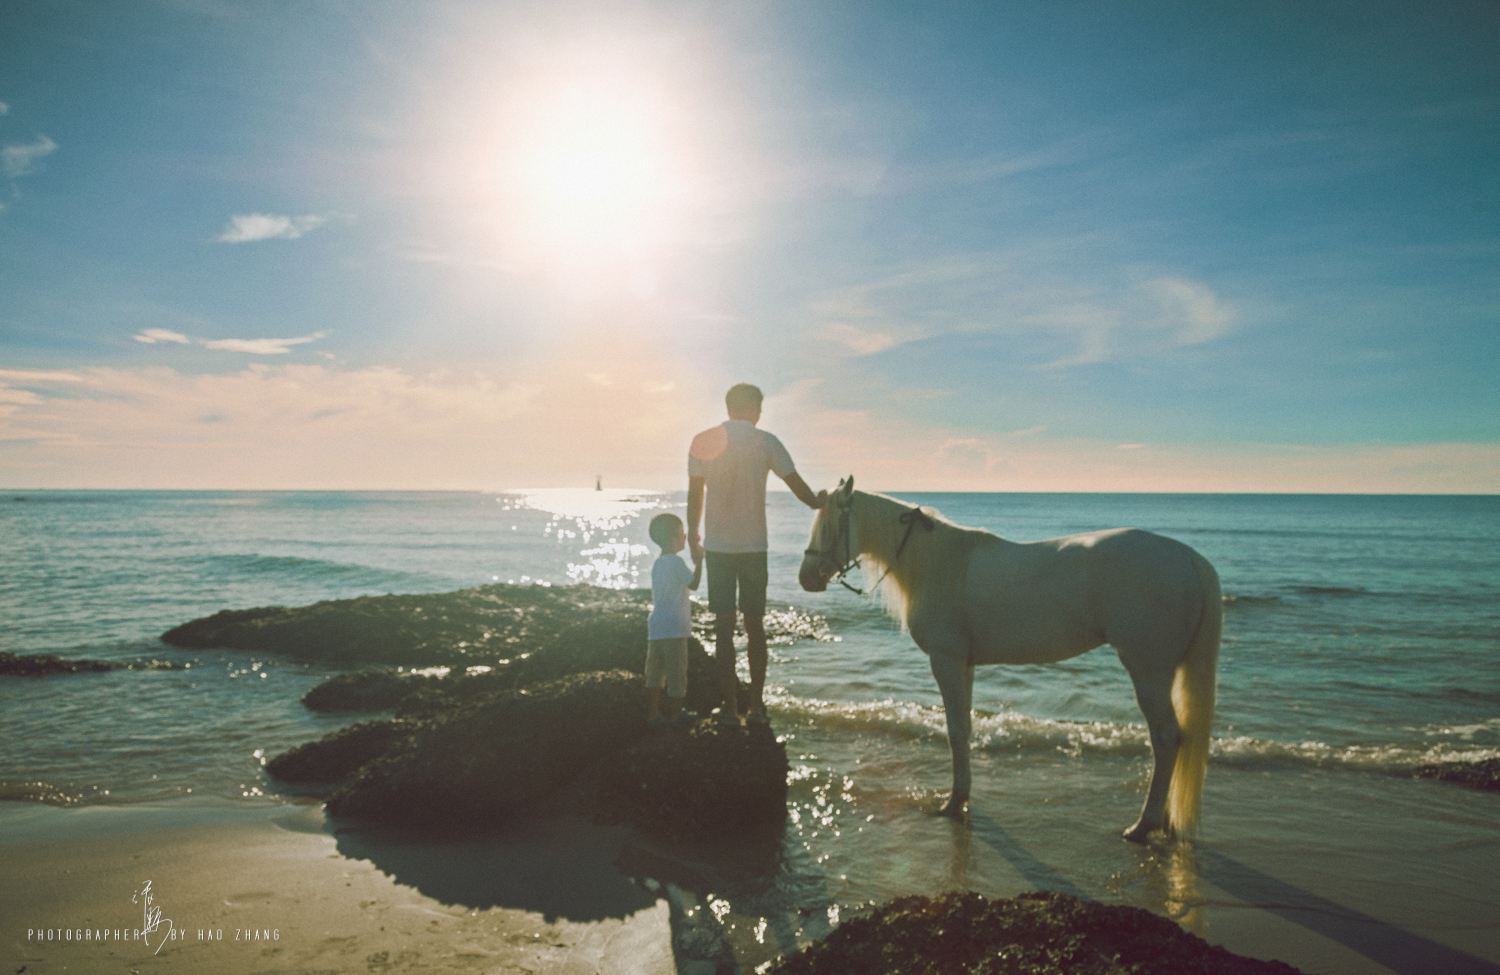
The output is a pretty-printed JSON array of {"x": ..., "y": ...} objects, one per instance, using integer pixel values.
[
  {"x": 653, "y": 705},
  {"x": 755, "y": 651},
  {"x": 724, "y": 654},
  {"x": 673, "y": 708}
]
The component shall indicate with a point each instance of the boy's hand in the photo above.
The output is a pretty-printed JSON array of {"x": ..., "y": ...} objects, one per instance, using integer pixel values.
[{"x": 697, "y": 553}]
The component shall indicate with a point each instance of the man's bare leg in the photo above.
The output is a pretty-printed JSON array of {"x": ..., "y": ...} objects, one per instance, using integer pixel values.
[
  {"x": 729, "y": 684},
  {"x": 755, "y": 651}
]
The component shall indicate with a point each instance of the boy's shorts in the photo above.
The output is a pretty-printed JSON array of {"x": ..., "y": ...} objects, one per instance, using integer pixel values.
[
  {"x": 730, "y": 570},
  {"x": 666, "y": 663}
]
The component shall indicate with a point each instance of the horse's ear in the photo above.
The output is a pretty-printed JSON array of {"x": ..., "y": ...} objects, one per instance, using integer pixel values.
[{"x": 848, "y": 485}]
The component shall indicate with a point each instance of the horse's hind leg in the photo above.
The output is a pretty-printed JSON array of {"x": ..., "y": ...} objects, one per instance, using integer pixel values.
[
  {"x": 955, "y": 680},
  {"x": 1153, "y": 692}
]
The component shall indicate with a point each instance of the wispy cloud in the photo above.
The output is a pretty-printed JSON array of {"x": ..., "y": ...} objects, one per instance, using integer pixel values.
[
  {"x": 312, "y": 426},
  {"x": 1199, "y": 314},
  {"x": 861, "y": 341},
  {"x": 1104, "y": 315},
  {"x": 244, "y": 228},
  {"x": 261, "y": 346},
  {"x": 152, "y": 336},
  {"x": 21, "y": 160}
]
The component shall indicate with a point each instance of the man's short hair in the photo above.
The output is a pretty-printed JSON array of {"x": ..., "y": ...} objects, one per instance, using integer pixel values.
[
  {"x": 743, "y": 397},
  {"x": 664, "y": 528}
]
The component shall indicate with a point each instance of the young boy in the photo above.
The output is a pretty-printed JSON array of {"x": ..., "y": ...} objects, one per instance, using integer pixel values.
[{"x": 670, "y": 623}]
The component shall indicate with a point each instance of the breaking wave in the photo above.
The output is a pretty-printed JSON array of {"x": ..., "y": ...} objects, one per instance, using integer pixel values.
[{"x": 1011, "y": 731}]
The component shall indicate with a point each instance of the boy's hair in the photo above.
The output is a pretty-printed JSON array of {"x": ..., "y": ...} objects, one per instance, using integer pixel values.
[
  {"x": 664, "y": 528},
  {"x": 742, "y": 397}
]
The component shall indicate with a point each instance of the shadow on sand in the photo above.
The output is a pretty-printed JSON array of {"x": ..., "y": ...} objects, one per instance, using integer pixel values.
[
  {"x": 570, "y": 869},
  {"x": 1399, "y": 950},
  {"x": 561, "y": 869}
]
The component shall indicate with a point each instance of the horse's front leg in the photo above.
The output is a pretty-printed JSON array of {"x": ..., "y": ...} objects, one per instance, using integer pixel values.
[{"x": 955, "y": 680}]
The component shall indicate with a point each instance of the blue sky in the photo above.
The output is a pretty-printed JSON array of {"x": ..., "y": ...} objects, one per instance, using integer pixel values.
[{"x": 974, "y": 246}]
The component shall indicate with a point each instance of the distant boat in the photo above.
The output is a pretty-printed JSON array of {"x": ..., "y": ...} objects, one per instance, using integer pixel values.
[{"x": 598, "y": 482}]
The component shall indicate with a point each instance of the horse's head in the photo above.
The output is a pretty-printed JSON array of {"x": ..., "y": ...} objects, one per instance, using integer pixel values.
[{"x": 833, "y": 547}]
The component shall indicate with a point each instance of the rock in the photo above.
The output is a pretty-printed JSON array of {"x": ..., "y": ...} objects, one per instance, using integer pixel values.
[
  {"x": 700, "y": 785},
  {"x": 413, "y": 694},
  {"x": 498, "y": 760},
  {"x": 365, "y": 690},
  {"x": 487, "y": 626},
  {"x": 42, "y": 664},
  {"x": 503, "y": 756},
  {"x": 36, "y": 792},
  {"x": 341, "y": 754},
  {"x": 1034, "y": 934},
  {"x": 1483, "y": 775},
  {"x": 481, "y": 739},
  {"x": 35, "y": 665},
  {"x": 542, "y": 632}
]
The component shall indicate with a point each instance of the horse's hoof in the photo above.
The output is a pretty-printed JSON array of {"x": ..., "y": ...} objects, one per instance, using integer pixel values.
[
  {"x": 1138, "y": 833},
  {"x": 954, "y": 809}
]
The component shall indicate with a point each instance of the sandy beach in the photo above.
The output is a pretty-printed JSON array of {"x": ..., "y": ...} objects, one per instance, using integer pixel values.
[
  {"x": 277, "y": 889},
  {"x": 267, "y": 890}
]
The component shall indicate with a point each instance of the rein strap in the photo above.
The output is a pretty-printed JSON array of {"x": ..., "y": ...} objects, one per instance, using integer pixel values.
[{"x": 910, "y": 519}]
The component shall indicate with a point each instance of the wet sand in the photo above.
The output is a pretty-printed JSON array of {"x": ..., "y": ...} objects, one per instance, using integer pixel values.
[
  {"x": 290, "y": 896},
  {"x": 270, "y": 891}
]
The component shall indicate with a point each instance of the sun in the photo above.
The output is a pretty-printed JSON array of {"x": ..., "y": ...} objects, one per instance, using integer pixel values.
[{"x": 596, "y": 169}]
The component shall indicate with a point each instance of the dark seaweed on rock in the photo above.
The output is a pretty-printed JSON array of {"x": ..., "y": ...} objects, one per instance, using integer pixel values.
[
  {"x": 486, "y": 626},
  {"x": 368, "y": 690},
  {"x": 1034, "y": 934},
  {"x": 413, "y": 695},
  {"x": 1483, "y": 775},
  {"x": 341, "y": 754},
  {"x": 711, "y": 783},
  {"x": 42, "y": 664},
  {"x": 560, "y": 718},
  {"x": 510, "y": 755},
  {"x": 498, "y": 760},
  {"x": 36, "y": 792}
]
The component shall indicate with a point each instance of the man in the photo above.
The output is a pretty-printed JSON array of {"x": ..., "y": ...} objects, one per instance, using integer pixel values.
[{"x": 727, "y": 468}]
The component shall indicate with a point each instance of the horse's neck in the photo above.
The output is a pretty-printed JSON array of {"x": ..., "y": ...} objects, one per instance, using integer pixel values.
[
  {"x": 918, "y": 556},
  {"x": 880, "y": 529}
]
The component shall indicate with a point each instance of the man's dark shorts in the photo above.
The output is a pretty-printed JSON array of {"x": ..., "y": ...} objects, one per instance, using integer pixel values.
[{"x": 728, "y": 571}]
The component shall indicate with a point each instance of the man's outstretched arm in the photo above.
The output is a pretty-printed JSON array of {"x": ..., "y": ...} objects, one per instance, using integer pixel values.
[
  {"x": 794, "y": 481},
  {"x": 694, "y": 513}
]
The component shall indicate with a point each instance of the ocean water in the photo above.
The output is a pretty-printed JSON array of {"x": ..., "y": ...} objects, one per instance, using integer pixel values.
[{"x": 1362, "y": 636}]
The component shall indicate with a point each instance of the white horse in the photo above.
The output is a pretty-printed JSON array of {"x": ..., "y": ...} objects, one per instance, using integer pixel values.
[{"x": 969, "y": 597}]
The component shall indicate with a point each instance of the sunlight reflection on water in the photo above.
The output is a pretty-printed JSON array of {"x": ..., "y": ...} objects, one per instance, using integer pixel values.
[{"x": 596, "y": 519}]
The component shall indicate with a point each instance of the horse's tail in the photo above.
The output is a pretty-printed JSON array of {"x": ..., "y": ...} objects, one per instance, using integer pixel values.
[{"x": 1193, "y": 701}]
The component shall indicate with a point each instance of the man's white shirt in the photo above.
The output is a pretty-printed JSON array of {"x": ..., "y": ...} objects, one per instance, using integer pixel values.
[{"x": 734, "y": 459}]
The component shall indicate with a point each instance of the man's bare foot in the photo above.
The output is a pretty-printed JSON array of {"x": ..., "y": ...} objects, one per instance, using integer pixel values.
[{"x": 1139, "y": 832}]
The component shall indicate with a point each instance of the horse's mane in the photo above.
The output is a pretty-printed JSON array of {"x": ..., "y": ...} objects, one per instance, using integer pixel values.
[{"x": 935, "y": 561}]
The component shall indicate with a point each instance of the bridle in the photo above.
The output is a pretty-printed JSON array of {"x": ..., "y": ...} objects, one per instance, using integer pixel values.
[{"x": 840, "y": 567}]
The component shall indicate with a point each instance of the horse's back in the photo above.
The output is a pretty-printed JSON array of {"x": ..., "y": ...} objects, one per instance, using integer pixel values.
[{"x": 1053, "y": 599}]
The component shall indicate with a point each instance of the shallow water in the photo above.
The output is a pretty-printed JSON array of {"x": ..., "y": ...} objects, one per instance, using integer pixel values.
[{"x": 1360, "y": 640}]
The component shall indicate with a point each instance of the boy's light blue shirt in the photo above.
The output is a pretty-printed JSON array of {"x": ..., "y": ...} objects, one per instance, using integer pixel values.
[{"x": 671, "y": 611}]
